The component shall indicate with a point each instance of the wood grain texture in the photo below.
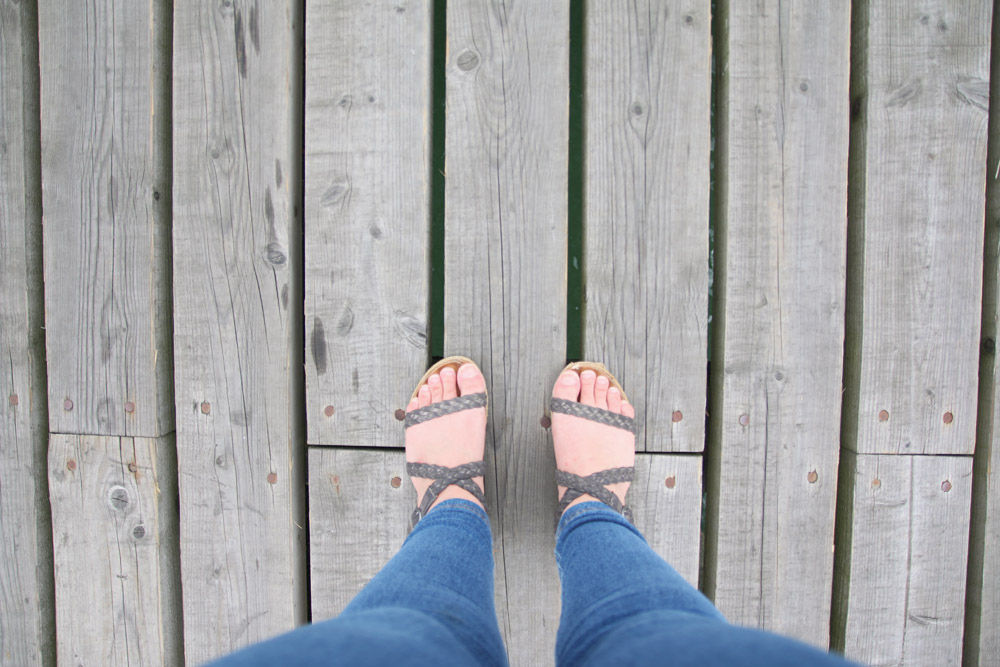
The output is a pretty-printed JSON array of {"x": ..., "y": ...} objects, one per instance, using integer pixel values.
[
  {"x": 780, "y": 270},
  {"x": 237, "y": 333},
  {"x": 921, "y": 96},
  {"x": 904, "y": 602},
  {"x": 114, "y": 525},
  {"x": 648, "y": 88},
  {"x": 506, "y": 142},
  {"x": 27, "y": 606},
  {"x": 367, "y": 205},
  {"x": 105, "y": 123}
]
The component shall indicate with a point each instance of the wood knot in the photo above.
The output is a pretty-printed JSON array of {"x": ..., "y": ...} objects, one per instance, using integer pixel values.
[
  {"x": 467, "y": 60},
  {"x": 118, "y": 498},
  {"x": 139, "y": 532}
]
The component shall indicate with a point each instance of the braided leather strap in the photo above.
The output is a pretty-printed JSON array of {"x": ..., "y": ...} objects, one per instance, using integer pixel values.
[
  {"x": 461, "y": 476},
  {"x": 435, "y": 410},
  {"x": 576, "y": 409},
  {"x": 593, "y": 485}
]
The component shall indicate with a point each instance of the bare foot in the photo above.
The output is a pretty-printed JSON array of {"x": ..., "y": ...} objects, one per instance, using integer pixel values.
[
  {"x": 584, "y": 447},
  {"x": 450, "y": 440}
]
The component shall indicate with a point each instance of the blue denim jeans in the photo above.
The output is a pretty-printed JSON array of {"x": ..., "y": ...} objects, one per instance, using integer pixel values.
[{"x": 622, "y": 604}]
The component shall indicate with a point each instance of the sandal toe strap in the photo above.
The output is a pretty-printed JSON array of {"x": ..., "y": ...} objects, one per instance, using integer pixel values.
[
  {"x": 594, "y": 485},
  {"x": 460, "y": 476},
  {"x": 599, "y": 415},
  {"x": 442, "y": 408}
]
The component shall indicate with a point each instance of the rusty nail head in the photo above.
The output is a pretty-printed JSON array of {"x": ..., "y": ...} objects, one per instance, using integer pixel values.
[
  {"x": 396, "y": 481},
  {"x": 206, "y": 407},
  {"x": 67, "y": 405},
  {"x": 946, "y": 486},
  {"x": 129, "y": 406},
  {"x": 670, "y": 482},
  {"x": 545, "y": 422},
  {"x": 812, "y": 476},
  {"x": 400, "y": 414},
  {"x": 71, "y": 465},
  {"x": 328, "y": 411},
  {"x": 876, "y": 483},
  {"x": 272, "y": 478},
  {"x": 13, "y": 399},
  {"x": 677, "y": 416},
  {"x": 744, "y": 420},
  {"x": 132, "y": 467},
  {"x": 948, "y": 418},
  {"x": 883, "y": 415}
]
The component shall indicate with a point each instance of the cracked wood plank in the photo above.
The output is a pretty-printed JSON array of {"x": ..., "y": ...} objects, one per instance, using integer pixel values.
[
  {"x": 505, "y": 277},
  {"x": 367, "y": 202},
  {"x": 648, "y": 71},
  {"x": 780, "y": 272},
  {"x": 27, "y": 632},
  {"x": 237, "y": 326},
  {"x": 114, "y": 526},
  {"x": 105, "y": 118}
]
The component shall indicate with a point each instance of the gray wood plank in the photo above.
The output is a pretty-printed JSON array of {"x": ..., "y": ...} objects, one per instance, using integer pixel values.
[
  {"x": 904, "y": 602},
  {"x": 921, "y": 96},
  {"x": 780, "y": 274},
  {"x": 114, "y": 524},
  {"x": 648, "y": 88},
  {"x": 238, "y": 337},
  {"x": 506, "y": 141},
  {"x": 105, "y": 123},
  {"x": 367, "y": 204},
  {"x": 346, "y": 484},
  {"x": 27, "y": 621}
]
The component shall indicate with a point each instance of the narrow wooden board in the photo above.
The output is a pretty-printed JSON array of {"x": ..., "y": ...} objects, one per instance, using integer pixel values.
[
  {"x": 904, "y": 601},
  {"x": 105, "y": 123},
  {"x": 921, "y": 97},
  {"x": 27, "y": 606},
  {"x": 238, "y": 337},
  {"x": 346, "y": 484},
  {"x": 506, "y": 140},
  {"x": 367, "y": 202},
  {"x": 781, "y": 248},
  {"x": 114, "y": 525},
  {"x": 648, "y": 88}
]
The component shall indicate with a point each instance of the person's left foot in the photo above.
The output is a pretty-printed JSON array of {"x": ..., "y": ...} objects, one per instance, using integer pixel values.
[{"x": 449, "y": 440}]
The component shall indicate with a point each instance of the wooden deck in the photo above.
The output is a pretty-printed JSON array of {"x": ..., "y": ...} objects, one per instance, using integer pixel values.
[{"x": 233, "y": 234}]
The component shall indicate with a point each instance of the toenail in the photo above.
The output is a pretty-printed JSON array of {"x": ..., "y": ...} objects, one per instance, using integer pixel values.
[
  {"x": 567, "y": 379},
  {"x": 467, "y": 371}
]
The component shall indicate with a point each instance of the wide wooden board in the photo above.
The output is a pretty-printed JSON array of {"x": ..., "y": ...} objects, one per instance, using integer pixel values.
[
  {"x": 238, "y": 337},
  {"x": 105, "y": 125},
  {"x": 26, "y": 596},
  {"x": 367, "y": 203},
  {"x": 781, "y": 248},
  {"x": 114, "y": 525},
  {"x": 648, "y": 88}
]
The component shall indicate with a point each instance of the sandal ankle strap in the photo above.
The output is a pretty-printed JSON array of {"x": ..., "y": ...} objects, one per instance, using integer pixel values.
[
  {"x": 594, "y": 485},
  {"x": 460, "y": 476}
]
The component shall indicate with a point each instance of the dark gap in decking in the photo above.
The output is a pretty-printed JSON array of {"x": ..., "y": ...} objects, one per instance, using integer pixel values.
[
  {"x": 575, "y": 181},
  {"x": 987, "y": 364},
  {"x": 439, "y": 39},
  {"x": 853, "y": 318},
  {"x": 297, "y": 381},
  {"x": 712, "y": 461},
  {"x": 39, "y": 416},
  {"x": 359, "y": 448}
]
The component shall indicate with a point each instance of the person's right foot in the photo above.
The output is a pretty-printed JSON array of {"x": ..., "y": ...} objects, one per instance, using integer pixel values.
[{"x": 582, "y": 446}]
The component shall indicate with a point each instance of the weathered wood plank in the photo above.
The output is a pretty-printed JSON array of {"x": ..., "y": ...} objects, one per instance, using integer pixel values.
[
  {"x": 780, "y": 273},
  {"x": 345, "y": 484},
  {"x": 27, "y": 621},
  {"x": 920, "y": 94},
  {"x": 105, "y": 124},
  {"x": 903, "y": 600},
  {"x": 506, "y": 158},
  {"x": 647, "y": 154},
  {"x": 237, "y": 231},
  {"x": 114, "y": 525},
  {"x": 367, "y": 202}
]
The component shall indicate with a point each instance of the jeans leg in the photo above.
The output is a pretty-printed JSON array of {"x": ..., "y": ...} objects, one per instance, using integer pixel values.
[
  {"x": 431, "y": 604},
  {"x": 623, "y": 604}
]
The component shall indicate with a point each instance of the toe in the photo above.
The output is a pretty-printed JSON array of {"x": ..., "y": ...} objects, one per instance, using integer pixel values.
[
  {"x": 627, "y": 409},
  {"x": 614, "y": 400},
  {"x": 412, "y": 405},
  {"x": 437, "y": 389},
  {"x": 567, "y": 386},
  {"x": 587, "y": 380},
  {"x": 424, "y": 396},
  {"x": 470, "y": 380},
  {"x": 448, "y": 382},
  {"x": 601, "y": 392}
]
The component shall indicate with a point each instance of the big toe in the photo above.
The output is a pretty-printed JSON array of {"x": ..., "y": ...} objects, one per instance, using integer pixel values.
[
  {"x": 567, "y": 386},
  {"x": 470, "y": 380}
]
